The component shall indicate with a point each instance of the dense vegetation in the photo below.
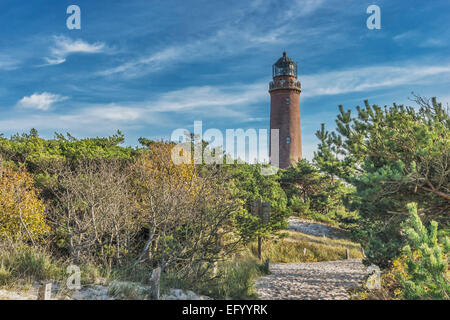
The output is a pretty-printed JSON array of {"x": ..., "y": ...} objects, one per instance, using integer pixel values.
[
  {"x": 126, "y": 211},
  {"x": 120, "y": 212},
  {"x": 316, "y": 195},
  {"x": 393, "y": 157}
]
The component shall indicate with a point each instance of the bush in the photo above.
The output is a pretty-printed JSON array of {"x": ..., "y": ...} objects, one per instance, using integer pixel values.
[
  {"x": 189, "y": 213},
  {"x": 236, "y": 279},
  {"x": 392, "y": 156},
  {"x": 21, "y": 212},
  {"x": 313, "y": 194},
  {"x": 94, "y": 211},
  {"x": 425, "y": 260},
  {"x": 27, "y": 264}
]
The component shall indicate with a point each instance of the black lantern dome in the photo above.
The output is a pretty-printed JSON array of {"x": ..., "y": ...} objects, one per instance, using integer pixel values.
[{"x": 284, "y": 67}]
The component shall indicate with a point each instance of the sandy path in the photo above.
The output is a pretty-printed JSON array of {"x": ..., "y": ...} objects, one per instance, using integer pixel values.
[
  {"x": 311, "y": 281},
  {"x": 328, "y": 280}
]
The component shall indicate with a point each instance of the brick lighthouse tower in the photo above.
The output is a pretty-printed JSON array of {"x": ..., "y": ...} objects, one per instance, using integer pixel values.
[{"x": 285, "y": 110}]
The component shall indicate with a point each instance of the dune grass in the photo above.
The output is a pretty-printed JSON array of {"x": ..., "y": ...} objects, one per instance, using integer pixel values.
[
  {"x": 299, "y": 247},
  {"x": 24, "y": 265},
  {"x": 235, "y": 279}
]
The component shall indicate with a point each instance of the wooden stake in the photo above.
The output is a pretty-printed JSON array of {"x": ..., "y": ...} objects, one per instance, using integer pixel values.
[
  {"x": 45, "y": 291},
  {"x": 154, "y": 282},
  {"x": 259, "y": 248}
]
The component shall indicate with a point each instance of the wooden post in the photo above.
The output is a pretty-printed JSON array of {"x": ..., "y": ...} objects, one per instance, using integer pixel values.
[
  {"x": 267, "y": 265},
  {"x": 264, "y": 214},
  {"x": 262, "y": 210},
  {"x": 304, "y": 251},
  {"x": 347, "y": 252},
  {"x": 256, "y": 211},
  {"x": 154, "y": 283},
  {"x": 215, "y": 268},
  {"x": 45, "y": 291},
  {"x": 259, "y": 248}
]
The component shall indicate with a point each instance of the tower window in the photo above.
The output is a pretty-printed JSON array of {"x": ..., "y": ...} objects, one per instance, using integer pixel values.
[
  {"x": 288, "y": 100},
  {"x": 288, "y": 140}
]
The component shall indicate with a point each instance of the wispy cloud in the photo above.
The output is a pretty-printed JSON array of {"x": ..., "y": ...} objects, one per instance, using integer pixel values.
[
  {"x": 292, "y": 9},
  {"x": 154, "y": 62},
  {"x": 231, "y": 39},
  {"x": 210, "y": 96},
  {"x": 301, "y": 8},
  {"x": 63, "y": 47},
  {"x": 7, "y": 62},
  {"x": 370, "y": 78},
  {"x": 201, "y": 103},
  {"x": 116, "y": 113},
  {"x": 40, "y": 101},
  {"x": 420, "y": 39}
]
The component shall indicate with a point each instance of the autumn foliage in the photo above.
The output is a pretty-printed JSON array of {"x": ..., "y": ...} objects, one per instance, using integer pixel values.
[{"x": 21, "y": 212}]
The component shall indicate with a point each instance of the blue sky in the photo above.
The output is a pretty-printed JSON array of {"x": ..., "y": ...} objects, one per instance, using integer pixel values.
[{"x": 150, "y": 67}]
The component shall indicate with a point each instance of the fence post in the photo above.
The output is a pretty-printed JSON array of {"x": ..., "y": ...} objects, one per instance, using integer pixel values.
[
  {"x": 45, "y": 291},
  {"x": 347, "y": 252},
  {"x": 262, "y": 210},
  {"x": 259, "y": 248},
  {"x": 264, "y": 214},
  {"x": 154, "y": 283}
]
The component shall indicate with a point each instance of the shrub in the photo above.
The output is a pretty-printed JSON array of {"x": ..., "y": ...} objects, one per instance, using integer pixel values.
[
  {"x": 425, "y": 274},
  {"x": 314, "y": 194},
  {"x": 236, "y": 279},
  {"x": 94, "y": 210},
  {"x": 28, "y": 264},
  {"x": 188, "y": 211},
  {"x": 392, "y": 156},
  {"x": 21, "y": 212}
]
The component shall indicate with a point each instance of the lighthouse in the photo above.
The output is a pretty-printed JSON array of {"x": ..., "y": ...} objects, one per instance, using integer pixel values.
[{"x": 284, "y": 92}]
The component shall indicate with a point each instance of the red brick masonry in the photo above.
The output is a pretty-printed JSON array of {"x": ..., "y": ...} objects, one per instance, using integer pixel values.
[{"x": 285, "y": 116}]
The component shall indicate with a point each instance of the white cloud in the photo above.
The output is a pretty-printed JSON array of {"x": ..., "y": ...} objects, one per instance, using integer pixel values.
[
  {"x": 231, "y": 40},
  {"x": 227, "y": 41},
  {"x": 40, "y": 101},
  {"x": 210, "y": 96},
  {"x": 85, "y": 120},
  {"x": 433, "y": 43},
  {"x": 302, "y": 8},
  {"x": 7, "y": 63},
  {"x": 113, "y": 112},
  {"x": 370, "y": 78},
  {"x": 153, "y": 62},
  {"x": 419, "y": 39},
  {"x": 51, "y": 61},
  {"x": 201, "y": 103},
  {"x": 405, "y": 36},
  {"x": 64, "y": 47}
]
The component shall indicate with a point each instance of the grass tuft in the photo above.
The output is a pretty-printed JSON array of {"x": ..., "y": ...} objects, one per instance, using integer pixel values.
[
  {"x": 292, "y": 249},
  {"x": 27, "y": 264}
]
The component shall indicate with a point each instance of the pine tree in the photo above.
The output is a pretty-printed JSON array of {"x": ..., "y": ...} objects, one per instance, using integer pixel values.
[
  {"x": 426, "y": 260},
  {"x": 392, "y": 156}
]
